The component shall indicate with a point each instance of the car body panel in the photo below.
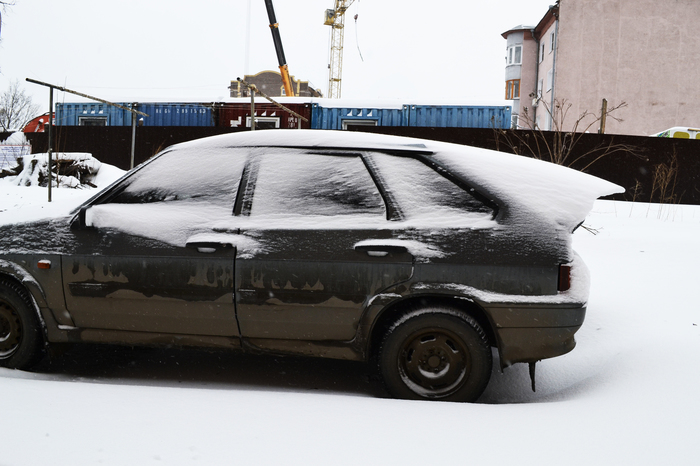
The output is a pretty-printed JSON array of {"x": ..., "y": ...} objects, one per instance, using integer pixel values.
[
  {"x": 298, "y": 290},
  {"x": 255, "y": 266}
]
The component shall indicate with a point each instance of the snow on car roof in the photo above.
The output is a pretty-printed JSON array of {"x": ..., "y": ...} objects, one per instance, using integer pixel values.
[
  {"x": 308, "y": 138},
  {"x": 531, "y": 186}
]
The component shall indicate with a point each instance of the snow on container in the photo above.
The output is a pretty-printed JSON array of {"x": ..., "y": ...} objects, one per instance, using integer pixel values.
[
  {"x": 268, "y": 115},
  {"x": 457, "y": 116},
  {"x": 323, "y": 117},
  {"x": 160, "y": 114}
]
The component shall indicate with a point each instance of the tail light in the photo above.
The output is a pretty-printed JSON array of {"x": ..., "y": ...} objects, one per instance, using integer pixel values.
[{"x": 564, "y": 277}]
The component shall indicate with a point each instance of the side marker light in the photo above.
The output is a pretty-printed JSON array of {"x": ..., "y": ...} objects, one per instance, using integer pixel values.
[{"x": 44, "y": 264}]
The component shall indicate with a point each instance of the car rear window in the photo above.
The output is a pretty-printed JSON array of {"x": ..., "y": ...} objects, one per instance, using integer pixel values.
[{"x": 419, "y": 190}]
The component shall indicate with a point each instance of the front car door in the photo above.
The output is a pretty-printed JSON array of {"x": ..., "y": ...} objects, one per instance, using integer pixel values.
[{"x": 146, "y": 262}]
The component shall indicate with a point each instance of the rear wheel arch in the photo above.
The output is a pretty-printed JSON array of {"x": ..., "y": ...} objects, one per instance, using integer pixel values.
[
  {"x": 434, "y": 352},
  {"x": 396, "y": 311}
]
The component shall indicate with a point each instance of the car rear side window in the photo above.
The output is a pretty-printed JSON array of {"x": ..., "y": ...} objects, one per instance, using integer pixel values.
[
  {"x": 419, "y": 190},
  {"x": 206, "y": 175},
  {"x": 297, "y": 183}
]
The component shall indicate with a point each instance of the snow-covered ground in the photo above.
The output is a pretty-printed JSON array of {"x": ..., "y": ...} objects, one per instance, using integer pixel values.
[{"x": 628, "y": 394}]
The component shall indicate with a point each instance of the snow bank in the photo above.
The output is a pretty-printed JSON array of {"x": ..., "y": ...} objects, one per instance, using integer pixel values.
[
  {"x": 34, "y": 169},
  {"x": 20, "y": 203}
]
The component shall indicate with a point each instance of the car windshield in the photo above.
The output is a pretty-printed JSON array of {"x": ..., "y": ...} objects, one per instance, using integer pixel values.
[{"x": 186, "y": 174}]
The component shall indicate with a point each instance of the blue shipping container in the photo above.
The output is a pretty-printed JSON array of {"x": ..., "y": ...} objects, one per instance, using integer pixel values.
[
  {"x": 457, "y": 116},
  {"x": 341, "y": 118},
  {"x": 159, "y": 114}
]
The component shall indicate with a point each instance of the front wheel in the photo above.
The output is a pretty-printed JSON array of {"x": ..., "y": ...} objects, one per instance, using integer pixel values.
[
  {"x": 435, "y": 354},
  {"x": 21, "y": 339}
]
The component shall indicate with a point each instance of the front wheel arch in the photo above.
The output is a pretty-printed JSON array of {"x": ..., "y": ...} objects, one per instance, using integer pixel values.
[{"x": 22, "y": 338}]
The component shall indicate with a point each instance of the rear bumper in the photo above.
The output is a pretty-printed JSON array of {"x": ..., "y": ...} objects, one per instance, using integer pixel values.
[{"x": 529, "y": 333}]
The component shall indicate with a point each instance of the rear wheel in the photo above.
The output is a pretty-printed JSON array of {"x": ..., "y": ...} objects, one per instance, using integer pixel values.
[
  {"x": 435, "y": 354},
  {"x": 21, "y": 340}
]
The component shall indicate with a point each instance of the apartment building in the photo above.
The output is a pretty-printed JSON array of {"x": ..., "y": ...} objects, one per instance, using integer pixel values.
[{"x": 643, "y": 53}]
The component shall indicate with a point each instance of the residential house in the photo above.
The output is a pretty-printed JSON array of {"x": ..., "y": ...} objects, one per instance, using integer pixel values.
[
  {"x": 641, "y": 54},
  {"x": 270, "y": 82}
]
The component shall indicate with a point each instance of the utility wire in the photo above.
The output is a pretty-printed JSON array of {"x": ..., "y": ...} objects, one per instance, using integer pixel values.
[{"x": 357, "y": 42}]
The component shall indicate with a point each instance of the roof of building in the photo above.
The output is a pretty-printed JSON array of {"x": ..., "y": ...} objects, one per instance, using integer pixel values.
[
  {"x": 520, "y": 27},
  {"x": 548, "y": 18}
]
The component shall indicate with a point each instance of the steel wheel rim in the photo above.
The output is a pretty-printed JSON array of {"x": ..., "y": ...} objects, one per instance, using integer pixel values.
[
  {"x": 10, "y": 330},
  {"x": 434, "y": 363}
]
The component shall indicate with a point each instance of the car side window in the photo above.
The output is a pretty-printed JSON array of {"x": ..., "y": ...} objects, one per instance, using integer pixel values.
[
  {"x": 312, "y": 184},
  {"x": 175, "y": 196},
  {"x": 419, "y": 190},
  {"x": 180, "y": 175}
]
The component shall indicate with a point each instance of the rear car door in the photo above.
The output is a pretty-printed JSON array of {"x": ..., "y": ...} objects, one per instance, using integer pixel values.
[
  {"x": 470, "y": 249},
  {"x": 324, "y": 246}
]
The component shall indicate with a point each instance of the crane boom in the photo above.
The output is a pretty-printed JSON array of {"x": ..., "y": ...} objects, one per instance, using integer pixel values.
[
  {"x": 284, "y": 70},
  {"x": 336, "y": 19}
]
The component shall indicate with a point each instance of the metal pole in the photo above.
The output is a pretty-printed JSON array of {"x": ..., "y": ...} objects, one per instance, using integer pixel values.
[
  {"x": 603, "y": 115},
  {"x": 52, "y": 87},
  {"x": 50, "y": 136},
  {"x": 252, "y": 87},
  {"x": 252, "y": 110},
  {"x": 63, "y": 89},
  {"x": 133, "y": 135}
]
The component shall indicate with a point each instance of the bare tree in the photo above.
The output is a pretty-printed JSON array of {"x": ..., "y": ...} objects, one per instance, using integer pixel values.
[
  {"x": 557, "y": 145},
  {"x": 16, "y": 108}
]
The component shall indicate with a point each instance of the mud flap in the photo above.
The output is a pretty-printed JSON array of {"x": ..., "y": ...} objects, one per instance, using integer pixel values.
[{"x": 532, "y": 374}]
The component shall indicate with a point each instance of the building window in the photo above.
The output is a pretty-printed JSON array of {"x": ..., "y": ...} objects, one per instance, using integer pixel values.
[
  {"x": 514, "y": 122},
  {"x": 541, "y": 53},
  {"x": 513, "y": 89},
  {"x": 551, "y": 42},
  {"x": 539, "y": 88},
  {"x": 550, "y": 79},
  {"x": 347, "y": 124},
  {"x": 92, "y": 121},
  {"x": 264, "y": 122},
  {"x": 515, "y": 55}
]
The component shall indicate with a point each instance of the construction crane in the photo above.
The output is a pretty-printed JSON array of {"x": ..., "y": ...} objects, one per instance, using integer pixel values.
[
  {"x": 335, "y": 18},
  {"x": 284, "y": 70}
]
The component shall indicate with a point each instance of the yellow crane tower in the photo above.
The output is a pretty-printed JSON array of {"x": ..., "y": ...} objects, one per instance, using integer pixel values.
[{"x": 335, "y": 18}]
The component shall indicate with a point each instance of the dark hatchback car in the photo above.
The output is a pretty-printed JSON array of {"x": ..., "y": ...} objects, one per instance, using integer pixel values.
[{"x": 413, "y": 255}]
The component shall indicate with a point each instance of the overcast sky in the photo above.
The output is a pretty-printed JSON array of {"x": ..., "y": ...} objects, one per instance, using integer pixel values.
[{"x": 140, "y": 50}]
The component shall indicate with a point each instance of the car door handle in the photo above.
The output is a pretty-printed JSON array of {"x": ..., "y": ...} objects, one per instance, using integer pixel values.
[
  {"x": 381, "y": 250},
  {"x": 208, "y": 246}
]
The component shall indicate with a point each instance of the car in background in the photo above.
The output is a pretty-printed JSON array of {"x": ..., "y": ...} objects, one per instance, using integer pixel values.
[
  {"x": 416, "y": 256},
  {"x": 679, "y": 132}
]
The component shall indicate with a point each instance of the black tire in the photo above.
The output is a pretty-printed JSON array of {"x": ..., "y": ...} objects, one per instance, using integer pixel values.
[
  {"x": 21, "y": 336},
  {"x": 435, "y": 354}
]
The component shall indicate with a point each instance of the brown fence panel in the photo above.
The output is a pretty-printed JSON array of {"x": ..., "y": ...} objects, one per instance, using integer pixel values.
[
  {"x": 638, "y": 164},
  {"x": 112, "y": 144}
]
